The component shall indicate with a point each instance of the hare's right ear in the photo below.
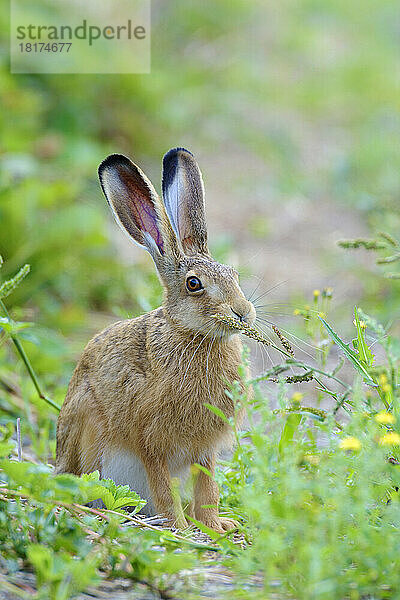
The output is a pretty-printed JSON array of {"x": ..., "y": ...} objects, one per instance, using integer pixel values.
[
  {"x": 183, "y": 194},
  {"x": 136, "y": 207}
]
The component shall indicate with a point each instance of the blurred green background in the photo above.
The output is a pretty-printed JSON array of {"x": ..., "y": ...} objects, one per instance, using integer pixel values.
[{"x": 291, "y": 109}]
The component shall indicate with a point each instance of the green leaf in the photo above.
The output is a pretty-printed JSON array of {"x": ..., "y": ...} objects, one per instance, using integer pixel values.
[
  {"x": 365, "y": 353},
  {"x": 59, "y": 574},
  {"x": 42, "y": 559},
  {"x": 13, "y": 327},
  {"x": 214, "y": 535},
  {"x": 121, "y": 502},
  {"x": 173, "y": 563},
  {"x": 6, "y": 443},
  {"x": 217, "y": 411},
  {"x": 107, "y": 497},
  {"x": 203, "y": 469},
  {"x": 349, "y": 353},
  {"x": 9, "y": 286},
  {"x": 292, "y": 422},
  {"x": 93, "y": 476},
  {"x": 114, "y": 496},
  {"x": 40, "y": 483}
]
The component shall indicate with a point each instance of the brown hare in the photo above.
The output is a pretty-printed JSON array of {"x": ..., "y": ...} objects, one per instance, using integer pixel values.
[{"x": 135, "y": 407}]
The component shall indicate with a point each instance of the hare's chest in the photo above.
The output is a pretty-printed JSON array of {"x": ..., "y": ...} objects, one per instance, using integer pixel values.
[
  {"x": 189, "y": 392},
  {"x": 198, "y": 418}
]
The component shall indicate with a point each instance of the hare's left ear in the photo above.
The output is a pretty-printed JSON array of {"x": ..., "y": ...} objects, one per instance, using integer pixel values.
[
  {"x": 183, "y": 194},
  {"x": 138, "y": 210}
]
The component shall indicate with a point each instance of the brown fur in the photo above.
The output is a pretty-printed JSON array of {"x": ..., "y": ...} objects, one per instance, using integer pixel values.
[{"x": 141, "y": 384}]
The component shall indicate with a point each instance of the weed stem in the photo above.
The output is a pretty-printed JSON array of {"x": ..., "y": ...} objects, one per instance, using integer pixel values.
[{"x": 28, "y": 365}]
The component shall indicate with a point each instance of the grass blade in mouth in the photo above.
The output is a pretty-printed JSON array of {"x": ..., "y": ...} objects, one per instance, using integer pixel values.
[{"x": 251, "y": 332}]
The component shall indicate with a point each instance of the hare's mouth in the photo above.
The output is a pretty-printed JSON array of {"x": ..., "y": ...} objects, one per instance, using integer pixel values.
[{"x": 228, "y": 323}]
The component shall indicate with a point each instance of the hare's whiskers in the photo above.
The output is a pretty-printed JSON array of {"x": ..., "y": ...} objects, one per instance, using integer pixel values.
[
  {"x": 293, "y": 336},
  {"x": 176, "y": 348},
  {"x": 379, "y": 339},
  {"x": 255, "y": 289},
  {"x": 281, "y": 305},
  {"x": 265, "y": 313},
  {"x": 174, "y": 351},
  {"x": 262, "y": 354},
  {"x": 270, "y": 290},
  {"x": 266, "y": 334},
  {"x": 208, "y": 322},
  {"x": 168, "y": 353},
  {"x": 223, "y": 377},
  {"x": 193, "y": 355},
  {"x": 263, "y": 329},
  {"x": 264, "y": 351},
  {"x": 208, "y": 356}
]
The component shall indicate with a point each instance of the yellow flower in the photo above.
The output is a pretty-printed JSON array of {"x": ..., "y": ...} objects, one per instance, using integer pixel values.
[
  {"x": 297, "y": 397},
  {"x": 350, "y": 443},
  {"x": 296, "y": 311},
  {"x": 390, "y": 439},
  {"x": 316, "y": 293},
  {"x": 384, "y": 384},
  {"x": 362, "y": 324},
  {"x": 385, "y": 418}
]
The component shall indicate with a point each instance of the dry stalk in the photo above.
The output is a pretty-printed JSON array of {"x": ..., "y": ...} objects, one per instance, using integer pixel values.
[{"x": 19, "y": 445}]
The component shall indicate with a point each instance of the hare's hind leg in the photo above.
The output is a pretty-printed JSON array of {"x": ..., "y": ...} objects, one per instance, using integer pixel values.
[{"x": 80, "y": 432}]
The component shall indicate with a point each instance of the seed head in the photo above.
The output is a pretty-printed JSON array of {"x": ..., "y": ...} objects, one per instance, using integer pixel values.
[
  {"x": 284, "y": 341},
  {"x": 244, "y": 327}
]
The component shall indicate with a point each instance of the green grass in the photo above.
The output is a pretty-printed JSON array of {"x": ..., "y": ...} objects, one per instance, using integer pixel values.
[
  {"x": 308, "y": 91},
  {"x": 315, "y": 491}
]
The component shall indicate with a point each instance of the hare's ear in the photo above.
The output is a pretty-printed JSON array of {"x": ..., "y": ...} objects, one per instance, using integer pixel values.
[
  {"x": 183, "y": 194},
  {"x": 136, "y": 206}
]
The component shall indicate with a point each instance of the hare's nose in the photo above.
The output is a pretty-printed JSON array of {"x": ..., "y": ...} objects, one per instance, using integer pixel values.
[
  {"x": 238, "y": 315},
  {"x": 244, "y": 312}
]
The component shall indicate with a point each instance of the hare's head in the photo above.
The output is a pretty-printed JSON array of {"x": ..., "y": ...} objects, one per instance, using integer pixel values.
[{"x": 174, "y": 232}]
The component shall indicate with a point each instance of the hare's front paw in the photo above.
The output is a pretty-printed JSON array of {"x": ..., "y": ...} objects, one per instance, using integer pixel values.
[{"x": 221, "y": 524}]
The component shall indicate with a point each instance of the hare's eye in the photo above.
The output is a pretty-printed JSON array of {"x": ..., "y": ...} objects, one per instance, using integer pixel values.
[{"x": 193, "y": 284}]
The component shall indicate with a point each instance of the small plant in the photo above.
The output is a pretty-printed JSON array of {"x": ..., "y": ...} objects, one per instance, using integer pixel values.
[
  {"x": 113, "y": 496},
  {"x": 384, "y": 243},
  {"x": 12, "y": 328},
  {"x": 316, "y": 497}
]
